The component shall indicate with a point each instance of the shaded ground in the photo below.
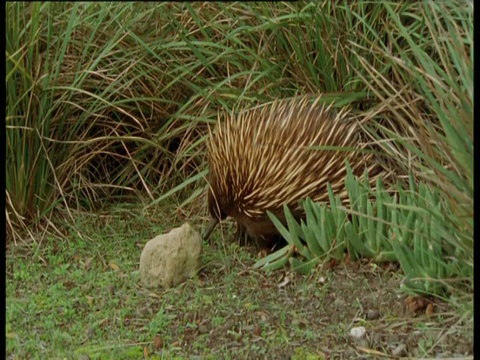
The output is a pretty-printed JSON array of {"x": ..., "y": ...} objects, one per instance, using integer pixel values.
[{"x": 82, "y": 298}]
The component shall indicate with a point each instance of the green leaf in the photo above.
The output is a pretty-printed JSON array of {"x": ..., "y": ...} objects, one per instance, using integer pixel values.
[
  {"x": 311, "y": 240},
  {"x": 371, "y": 227},
  {"x": 329, "y": 225},
  {"x": 304, "y": 268},
  {"x": 294, "y": 230},
  {"x": 405, "y": 257},
  {"x": 312, "y": 224},
  {"x": 325, "y": 241},
  {"x": 354, "y": 246},
  {"x": 386, "y": 256},
  {"x": 280, "y": 227},
  {"x": 331, "y": 197},
  {"x": 408, "y": 228},
  {"x": 275, "y": 260}
]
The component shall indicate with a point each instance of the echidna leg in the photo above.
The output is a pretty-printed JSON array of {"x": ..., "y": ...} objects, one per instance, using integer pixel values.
[
  {"x": 272, "y": 242},
  {"x": 241, "y": 235}
]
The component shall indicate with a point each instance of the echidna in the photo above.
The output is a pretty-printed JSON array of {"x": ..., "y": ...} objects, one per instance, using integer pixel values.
[{"x": 280, "y": 153}]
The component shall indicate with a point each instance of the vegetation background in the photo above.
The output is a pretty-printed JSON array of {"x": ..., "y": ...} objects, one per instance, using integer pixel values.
[{"x": 108, "y": 106}]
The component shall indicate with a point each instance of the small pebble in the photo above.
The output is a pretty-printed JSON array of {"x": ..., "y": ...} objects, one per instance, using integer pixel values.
[
  {"x": 358, "y": 332},
  {"x": 373, "y": 315}
]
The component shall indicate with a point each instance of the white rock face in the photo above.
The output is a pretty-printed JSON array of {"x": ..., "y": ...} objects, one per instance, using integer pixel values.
[
  {"x": 358, "y": 332},
  {"x": 169, "y": 259}
]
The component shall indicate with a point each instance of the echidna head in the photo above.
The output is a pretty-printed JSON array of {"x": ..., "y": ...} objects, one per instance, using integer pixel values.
[
  {"x": 216, "y": 212},
  {"x": 215, "y": 207}
]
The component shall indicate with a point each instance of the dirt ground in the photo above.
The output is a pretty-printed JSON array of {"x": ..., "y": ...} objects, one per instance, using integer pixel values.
[
  {"x": 285, "y": 315},
  {"x": 83, "y": 299}
]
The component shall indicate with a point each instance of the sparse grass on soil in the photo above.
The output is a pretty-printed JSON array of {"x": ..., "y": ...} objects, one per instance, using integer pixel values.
[{"x": 83, "y": 298}]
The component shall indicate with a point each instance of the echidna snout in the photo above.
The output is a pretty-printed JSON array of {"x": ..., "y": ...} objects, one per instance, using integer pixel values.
[
  {"x": 214, "y": 207},
  {"x": 216, "y": 214}
]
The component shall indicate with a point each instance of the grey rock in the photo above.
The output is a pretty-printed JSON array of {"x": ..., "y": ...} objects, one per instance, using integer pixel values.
[{"x": 169, "y": 259}]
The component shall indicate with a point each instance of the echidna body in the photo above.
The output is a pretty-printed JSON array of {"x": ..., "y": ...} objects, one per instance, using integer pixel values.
[{"x": 278, "y": 154}]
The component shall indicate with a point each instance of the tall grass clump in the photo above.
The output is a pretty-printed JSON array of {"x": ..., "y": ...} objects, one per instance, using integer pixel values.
[
  {"x": 85, "y": 116},
  {"x": 419, "y": 72},
  {"x": 107, "y": 100},
  {"x": 429, "y": 91}
]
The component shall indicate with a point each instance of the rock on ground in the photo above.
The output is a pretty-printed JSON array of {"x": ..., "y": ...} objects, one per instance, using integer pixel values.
[{"x": 169, "y": 259}]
